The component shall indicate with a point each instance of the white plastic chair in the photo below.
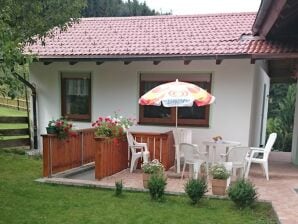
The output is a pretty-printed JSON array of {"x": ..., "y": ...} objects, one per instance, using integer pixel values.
[
  {"x": 252, "y": 156},
  {"x": 138, "y": 150},
  {"x": 237, "y": 156},
  {"x": 229, "y": 167},
  {"x": 181, "y": 135},
  {"x": 192, "y": 156}
]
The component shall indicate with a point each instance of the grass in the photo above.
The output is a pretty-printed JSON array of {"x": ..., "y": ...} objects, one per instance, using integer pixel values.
[
  {"x": 25, "y": 201},
  {"x": 4, "y": 111}
]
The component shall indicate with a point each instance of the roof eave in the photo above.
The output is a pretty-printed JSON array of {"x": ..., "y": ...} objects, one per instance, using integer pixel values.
[
  {"x": 140, "y": 57},
  {"x": 267, "y": 15}
]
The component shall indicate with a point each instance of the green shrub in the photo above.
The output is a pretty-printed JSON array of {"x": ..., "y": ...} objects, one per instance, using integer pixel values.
[
  {"x": 195, "y": 189},
  {"x": 243, "y": 193},
  {"x": 118, "y": 188},
  {"x": 156, "y": 185}
]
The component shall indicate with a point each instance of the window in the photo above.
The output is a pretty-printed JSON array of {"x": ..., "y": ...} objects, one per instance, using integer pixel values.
[
  {"x": 188, "y": 116},
  {"x": 76, "y": 96}
]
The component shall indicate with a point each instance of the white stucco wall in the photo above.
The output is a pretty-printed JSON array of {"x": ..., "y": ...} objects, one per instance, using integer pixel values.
[
  {"x": 116, "y": 86},
  {"x": 258, "y": 118}
]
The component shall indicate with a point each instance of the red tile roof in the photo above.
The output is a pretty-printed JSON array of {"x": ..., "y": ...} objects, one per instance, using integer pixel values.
[{"x": 158, "y": 36}]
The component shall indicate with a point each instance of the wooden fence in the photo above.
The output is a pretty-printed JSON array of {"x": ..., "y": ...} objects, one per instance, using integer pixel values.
[
  {"x": 19, "y": 103},
  {"x": 110, "y": 158},
  {"x": 17, "y": 142}
]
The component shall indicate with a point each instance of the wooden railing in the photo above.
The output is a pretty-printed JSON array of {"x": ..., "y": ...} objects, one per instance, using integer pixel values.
[
  {"x": 110, "y": 158},
  {"x": 161, "y": 146},
  {"x": 60, "y": 155}
]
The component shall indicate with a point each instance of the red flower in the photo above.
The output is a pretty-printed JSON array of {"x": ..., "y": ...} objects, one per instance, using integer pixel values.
[
  {"x": 116, "y": 141},
  {"x": 73, "y": 134}
]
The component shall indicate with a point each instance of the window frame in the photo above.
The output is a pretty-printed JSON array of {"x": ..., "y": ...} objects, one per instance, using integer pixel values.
[
  {"x": 75, "y": 117},
  {"x": 171, "y": 121}
]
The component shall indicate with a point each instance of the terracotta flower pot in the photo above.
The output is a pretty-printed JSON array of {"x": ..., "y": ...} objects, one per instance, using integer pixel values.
[{"x": 219, "y": 186}]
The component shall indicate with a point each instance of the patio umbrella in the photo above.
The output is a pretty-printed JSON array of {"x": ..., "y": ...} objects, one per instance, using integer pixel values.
[{"x": 177, "y": 94}]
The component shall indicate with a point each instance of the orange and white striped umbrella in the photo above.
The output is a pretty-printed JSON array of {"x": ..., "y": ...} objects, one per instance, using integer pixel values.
[{"x": 177, "y": 94}]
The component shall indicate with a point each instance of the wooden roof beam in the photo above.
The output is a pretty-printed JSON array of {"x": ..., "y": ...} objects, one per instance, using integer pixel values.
[
  {"x": 47, "y": 62},
  {"x": 73, "y": 62},
  {"x": 99, "y": 62},
  {"x": 187, "y": 62},
  {"x": 218, "y": 61}
]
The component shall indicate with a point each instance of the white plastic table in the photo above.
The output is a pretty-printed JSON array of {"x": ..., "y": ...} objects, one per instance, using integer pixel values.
[{"x": 212, "y": 146}]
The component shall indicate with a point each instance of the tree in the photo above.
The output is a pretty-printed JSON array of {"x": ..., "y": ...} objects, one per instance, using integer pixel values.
[
  {"x": 281, "y": 116},
  {"x": 103, "y": 8},
  {"x": 27, "y": 21}
]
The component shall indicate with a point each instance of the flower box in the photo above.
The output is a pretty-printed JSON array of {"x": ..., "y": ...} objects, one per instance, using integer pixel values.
[{"x": 51, "y": 130}]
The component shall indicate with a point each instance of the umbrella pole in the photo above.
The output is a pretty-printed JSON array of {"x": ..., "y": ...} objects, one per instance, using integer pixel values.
[{"x": 176, "y": 116}]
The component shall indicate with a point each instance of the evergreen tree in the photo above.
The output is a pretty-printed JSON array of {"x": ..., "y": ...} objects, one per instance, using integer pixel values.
[{"x": 113, "y": 8}]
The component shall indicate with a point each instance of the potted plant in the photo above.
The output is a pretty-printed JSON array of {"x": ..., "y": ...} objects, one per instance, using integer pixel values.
[
  {"x": 61, "y": 127},
  {"x": 51, "y": 129},
  {"x": 151, "y": 168},
  {"x": 219, "y": 179},
  {"x": 111, "y": 127}
]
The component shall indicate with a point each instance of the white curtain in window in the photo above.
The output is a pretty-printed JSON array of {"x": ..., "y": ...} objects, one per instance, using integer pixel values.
[{"x": 77, "y": 87}]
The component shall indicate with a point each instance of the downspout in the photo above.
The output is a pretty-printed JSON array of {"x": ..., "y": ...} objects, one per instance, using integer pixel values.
[{"x": 33, "y": 91}]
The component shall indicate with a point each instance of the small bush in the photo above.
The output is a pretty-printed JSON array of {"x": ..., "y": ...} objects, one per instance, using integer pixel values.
[
  {"x": 118, "y": 188},
  {"x": 156, "y": 185},
  {"x": 195, "y": 189},
  {"x": 243, "y": 193}
]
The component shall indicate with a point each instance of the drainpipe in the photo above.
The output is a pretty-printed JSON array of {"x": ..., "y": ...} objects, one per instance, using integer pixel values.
[{"x": 33, "y": 91}]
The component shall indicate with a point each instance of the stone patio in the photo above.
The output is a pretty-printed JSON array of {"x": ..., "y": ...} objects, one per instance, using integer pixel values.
[{"x": 280, "y": 189}]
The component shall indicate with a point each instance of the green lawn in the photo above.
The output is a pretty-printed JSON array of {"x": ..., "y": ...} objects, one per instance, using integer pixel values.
[
  {"x": 24, "y": 201},
  {"x": 4, "y": 111}
]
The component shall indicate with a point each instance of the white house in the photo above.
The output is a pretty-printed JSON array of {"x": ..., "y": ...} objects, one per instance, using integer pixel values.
[{"x": 102, "y": 65}]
